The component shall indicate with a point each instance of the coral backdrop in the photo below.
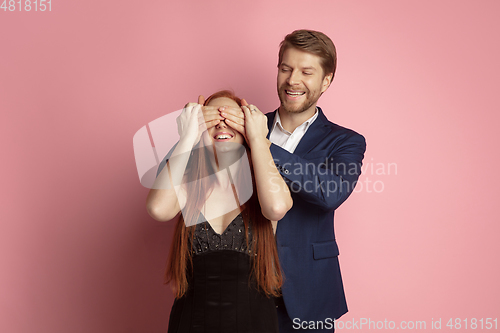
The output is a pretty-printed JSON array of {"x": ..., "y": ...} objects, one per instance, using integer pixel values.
[{"x": 419, "y": 79}]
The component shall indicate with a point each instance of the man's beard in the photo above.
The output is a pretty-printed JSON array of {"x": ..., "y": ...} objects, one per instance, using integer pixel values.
[{"x": 310, "y": 99}]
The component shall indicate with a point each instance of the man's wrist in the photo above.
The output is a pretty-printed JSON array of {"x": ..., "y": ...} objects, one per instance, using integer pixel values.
[{"x": 259, "y": 142}]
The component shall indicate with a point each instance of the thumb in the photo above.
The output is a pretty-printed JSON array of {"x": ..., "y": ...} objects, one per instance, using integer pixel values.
[
  {"x": 201, "y": 100},
  {"x": 244, "y": 102}
]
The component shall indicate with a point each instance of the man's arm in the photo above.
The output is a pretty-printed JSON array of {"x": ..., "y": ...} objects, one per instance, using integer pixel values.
[
  {"x": 325, "y": 183},
  {"x": 273, "y": 193}
]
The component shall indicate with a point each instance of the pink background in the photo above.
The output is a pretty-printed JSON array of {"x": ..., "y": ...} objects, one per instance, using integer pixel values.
[{"x": 419, "y": 79}]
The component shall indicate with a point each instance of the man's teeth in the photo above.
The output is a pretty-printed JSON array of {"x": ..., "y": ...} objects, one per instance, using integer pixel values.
[
  {"x": 223, "y": 136},
  {"x": 295, "y": 93}
]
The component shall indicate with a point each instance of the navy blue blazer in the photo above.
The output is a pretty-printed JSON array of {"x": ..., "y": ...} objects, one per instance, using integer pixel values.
[{"x": 321, "y": 174}]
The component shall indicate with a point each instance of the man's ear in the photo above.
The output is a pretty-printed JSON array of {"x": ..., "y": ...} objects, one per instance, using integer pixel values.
[{"x": 327, "y": 80}]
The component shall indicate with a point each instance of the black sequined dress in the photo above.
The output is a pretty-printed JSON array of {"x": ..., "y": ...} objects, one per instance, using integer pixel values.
[{"x": 220, "y": 298}]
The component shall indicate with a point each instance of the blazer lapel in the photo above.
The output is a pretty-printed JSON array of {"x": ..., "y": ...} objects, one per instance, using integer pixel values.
[
  {"x": 270, "y": 120},
  {"x": 315, "y": 133}
]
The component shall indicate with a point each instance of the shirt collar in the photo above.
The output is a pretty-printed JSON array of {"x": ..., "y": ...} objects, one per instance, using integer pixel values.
[{"x": 308, "y": 122}]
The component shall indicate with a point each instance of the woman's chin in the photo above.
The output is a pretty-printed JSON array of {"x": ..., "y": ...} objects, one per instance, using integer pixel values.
[{"x": 226, "y": 146}]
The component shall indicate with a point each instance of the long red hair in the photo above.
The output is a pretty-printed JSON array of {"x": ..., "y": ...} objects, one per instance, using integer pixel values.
[{"x": 266, "y": 270}]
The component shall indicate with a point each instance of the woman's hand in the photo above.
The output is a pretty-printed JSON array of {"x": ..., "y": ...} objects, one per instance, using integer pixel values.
[
  {"x": 195, "y": 119},
  {"x": 191, "y": 124}
]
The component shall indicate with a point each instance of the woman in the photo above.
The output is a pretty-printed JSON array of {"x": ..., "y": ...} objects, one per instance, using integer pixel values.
[{"x": 223, "y": 263}]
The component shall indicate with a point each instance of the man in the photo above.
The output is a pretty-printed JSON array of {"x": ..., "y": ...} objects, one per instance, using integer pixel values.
[{"x": 320, "y": 162}]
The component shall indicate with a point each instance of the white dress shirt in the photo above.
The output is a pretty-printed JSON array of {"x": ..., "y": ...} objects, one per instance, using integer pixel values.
[{"x": 286, "y": 140}]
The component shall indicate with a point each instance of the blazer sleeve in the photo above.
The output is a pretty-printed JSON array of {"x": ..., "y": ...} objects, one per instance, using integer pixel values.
[{"x": 327, "y": 177}]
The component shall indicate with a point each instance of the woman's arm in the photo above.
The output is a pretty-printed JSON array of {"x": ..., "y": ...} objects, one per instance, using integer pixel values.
[{"x": 162, "y": 202}]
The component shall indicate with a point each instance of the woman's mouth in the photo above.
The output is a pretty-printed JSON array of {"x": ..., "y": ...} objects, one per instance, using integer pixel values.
[{"x": 223, "y": 137}]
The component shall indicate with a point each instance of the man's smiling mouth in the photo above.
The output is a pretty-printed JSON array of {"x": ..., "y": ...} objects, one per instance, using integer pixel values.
[{"x": 294, "y": 93}]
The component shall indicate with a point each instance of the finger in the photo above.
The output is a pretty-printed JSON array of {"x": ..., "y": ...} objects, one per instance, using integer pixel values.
[
  {"x": 212, "y": 123},
  {"x": 230, "y": 108},
  {"x": 210, "y": 109},
  {"x": 245, "y": 109},
  {"x": 207, "y": 118},
  {"x": 236, "y": 126},
  {"x": 191, "y": 104},
  {"x": 201, "y": 100},
  {"x": 235, "y": 119},
  {"x": 187, "y": 109},
  {"x": 197, "y": 109},
  {"x": 252, "y": 107},
  {"x": 210, "y": 112},
  {"x": 202, "y": 127},
  {"x": 247, "y": 112},
  {"x": 244, "y": 102},
  {"x": 237, "y": 112},
  {"x": 253, "y": 110}
]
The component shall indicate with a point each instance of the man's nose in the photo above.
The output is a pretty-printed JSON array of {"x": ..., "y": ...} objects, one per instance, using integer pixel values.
[{"x": 293, "y": 78}]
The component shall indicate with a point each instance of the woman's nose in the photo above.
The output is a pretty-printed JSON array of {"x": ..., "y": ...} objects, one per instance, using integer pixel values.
[{"x": 221, "y": 124}]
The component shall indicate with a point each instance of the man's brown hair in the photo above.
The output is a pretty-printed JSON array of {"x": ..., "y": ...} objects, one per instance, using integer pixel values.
[{"x": 314, "y": 42}]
